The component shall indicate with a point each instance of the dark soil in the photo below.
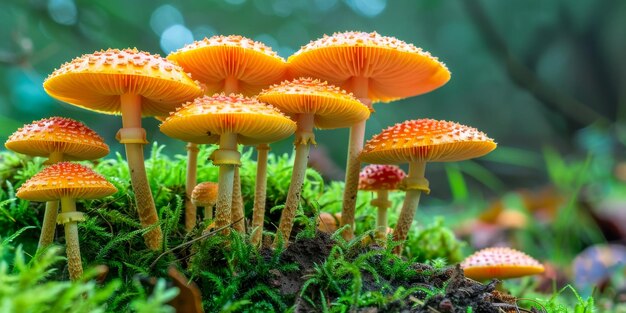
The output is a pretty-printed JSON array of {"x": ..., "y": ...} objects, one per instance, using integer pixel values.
[{"x": 453, "y": 292}]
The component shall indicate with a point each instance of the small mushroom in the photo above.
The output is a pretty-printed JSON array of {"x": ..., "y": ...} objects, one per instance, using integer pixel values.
[
  {"x": 205, "y": 195},
  {"x": 381, "y": 179},
  {"x": 67, "y": 182},
  {"x": 311, "y": 103},
  {"x": 374, "y": 68},
  {"x": 328, "y": 222},
  {"x": 134, "y": 84},
  {"x": 417, "y": 142},
  {"x": 230, "y": 64},
  {"x": 500, "y": 263},
  {"x": 227, "y": 120},
  {"x": 59, "y": 139}
]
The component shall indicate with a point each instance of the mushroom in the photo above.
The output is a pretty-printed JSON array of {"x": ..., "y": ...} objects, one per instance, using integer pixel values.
[
  {"x": 231, "y": 64},
  {"x": 228, "y": 120},
  {"x": 374, "y": 68},
  {"x": 417, "y": 142},
  {"x": 311, "y": 103},
  {"x": 67, "y": 182},
  {"x": 328, "y": 222},
  {"x": 58, "y": 139},
  {"x": 381, "y": 179},
  {"x": 500, "y": 263},
  {"x": 132, "y": 83},
  {"x": 205, "y": 195}
]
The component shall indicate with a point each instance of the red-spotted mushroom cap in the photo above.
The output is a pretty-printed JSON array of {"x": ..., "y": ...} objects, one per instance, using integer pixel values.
[
  {"x": 380, "y": 177},
  {"x": 331, "y": 106},
  {"x": 204, "y": 194},
  {"x": 206, "y": 118},
  {"x": 394, "y": 69},
  {"x": 96, "y": 81},
  {"x": 57, "y": 134},
  {"x": 426, "y": 140},
  {"x": 500, "y": 263},
  {"x": 252, "y": 64},
  {"x": 65, "y": 179}
]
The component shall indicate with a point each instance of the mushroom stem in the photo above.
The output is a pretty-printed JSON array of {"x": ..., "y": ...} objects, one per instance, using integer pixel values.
[
  {"x": 49, "y": 224},
  {"x": 355, "y": 145},
  {"x": 48, "y": 227},
  {"x": 258, "y": 214},
  {"x": 411, "y": 201},
  {"x": 72, "y": 246},
  {"x": 226, "y": 157},
  {"x": 231, "y": 84},
  {"x": 304, "y": 137},
  {"x": 237, "y": 205},
  {"x": 192, "y": 164},
  {"x": 131, "y": 123},
  {"x": 382, "y": 204},
  {"x": 208, "y": 212}
]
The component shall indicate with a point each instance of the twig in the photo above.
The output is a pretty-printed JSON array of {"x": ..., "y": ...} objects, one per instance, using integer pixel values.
[{"x": 184, "y": 244}]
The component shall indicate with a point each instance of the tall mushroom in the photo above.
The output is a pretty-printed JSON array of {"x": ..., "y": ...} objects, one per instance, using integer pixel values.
[
  {"x": 311, "y": 103},
  {"x": 230, "y": 64},
  {"x": 133, "y": 84},
  {"x": 381, "y": 179},
  {"x": 417, "y": 142},
  {"x": 227, "y": 120},
  {"x": 374, "y": 68},
  {"x": 59, "y": 139},
  {"x": 67, "y": 182}
]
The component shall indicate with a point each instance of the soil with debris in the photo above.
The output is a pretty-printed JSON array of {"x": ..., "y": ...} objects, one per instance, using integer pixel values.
[{"x": 459, "y": 292}]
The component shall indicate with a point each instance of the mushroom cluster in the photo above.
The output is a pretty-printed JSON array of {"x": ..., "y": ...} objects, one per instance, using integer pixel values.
[{"x": 243, "y": 93}]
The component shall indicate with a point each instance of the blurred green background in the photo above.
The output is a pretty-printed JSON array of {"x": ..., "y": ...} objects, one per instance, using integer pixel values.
[{"x": 529, "y": 73}]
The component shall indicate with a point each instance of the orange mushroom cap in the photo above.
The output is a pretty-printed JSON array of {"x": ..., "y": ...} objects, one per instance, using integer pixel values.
[
  {"x": 328, "y": 222},
  {"x": 332, "y": 107},
  {"x": 57, "y": 134},
  {"x": 211, "y": 60},
  {"x": 394, "y": 69},
  {"x": 426, "y": 140},
  {"x": 380, "y": 177},
  {"x": 500, "y": 263},
  {"x": 206, "y": 118},
  {"x": 96, "y": 81},
  {"x": 204, "y": 194},
  {"x": 65, "y": 179}
]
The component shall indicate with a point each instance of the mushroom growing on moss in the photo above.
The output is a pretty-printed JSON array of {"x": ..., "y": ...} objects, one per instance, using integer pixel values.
[
  {"x": 205, "y": 195},
  {"x": 381, "y": 179},
  {"x": 417, "y": 142},
  {"x": 328, "y": 222},
  {"x": 374, "y": 68},
  {"x": 500, "y": 263},
  {"x": 59, "y": 139},
  {"x": 227, "y": 120},
  {"x": 67, "y": 182},
  {"x": 311, "y": 103},
  {"x": 231, "y": 64},
  {"x": 134, "y": 84}
]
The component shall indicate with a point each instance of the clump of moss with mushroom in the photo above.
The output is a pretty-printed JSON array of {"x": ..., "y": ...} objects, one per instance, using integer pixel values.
[{"x": 272, "y": 244}]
